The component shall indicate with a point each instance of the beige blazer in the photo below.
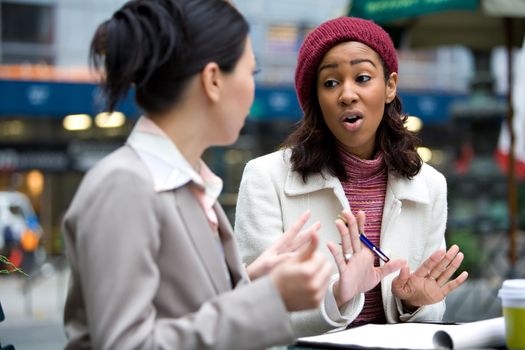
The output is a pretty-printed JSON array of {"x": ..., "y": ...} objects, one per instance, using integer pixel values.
[{"x": 147, "y": 270}]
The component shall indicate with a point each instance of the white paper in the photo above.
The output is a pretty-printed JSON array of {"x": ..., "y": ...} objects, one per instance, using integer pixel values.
[{"x": 487, "y": 333}]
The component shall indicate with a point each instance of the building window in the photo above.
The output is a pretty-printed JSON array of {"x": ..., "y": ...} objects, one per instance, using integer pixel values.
[{"x": 27, "y": 33}]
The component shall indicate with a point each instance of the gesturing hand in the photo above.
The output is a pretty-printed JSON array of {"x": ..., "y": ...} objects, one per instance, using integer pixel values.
[
  {"x": 430, "y": 283},
  {"x": 303, "y": 279},
  {"x": 284, "y": 248},
  {"x": 357, "y": 273}
]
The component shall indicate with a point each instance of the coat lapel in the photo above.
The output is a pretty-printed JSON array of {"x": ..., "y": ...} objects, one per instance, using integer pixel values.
[
  {"x": 414, "y": 189},
  {"x": 202, "y": 236},
  {"x": 398, "y": 190}
]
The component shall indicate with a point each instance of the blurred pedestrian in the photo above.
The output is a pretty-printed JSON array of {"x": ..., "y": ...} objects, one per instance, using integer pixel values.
[
  {"x": 352, "y": 153},
  {"x": 154, "y": 264}
]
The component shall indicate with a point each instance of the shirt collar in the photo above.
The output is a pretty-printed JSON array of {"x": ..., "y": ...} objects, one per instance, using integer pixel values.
[{"x": 168, "y": 167}]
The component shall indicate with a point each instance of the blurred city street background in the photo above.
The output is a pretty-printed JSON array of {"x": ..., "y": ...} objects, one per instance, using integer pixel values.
[{"x": 456, "y": 83}]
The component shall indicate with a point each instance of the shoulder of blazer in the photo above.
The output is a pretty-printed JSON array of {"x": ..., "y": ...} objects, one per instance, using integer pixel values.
[
  {"x": 271, "y": 163},
  {"x": 123, "y": 158},
  {"x": 277, "y": 165},
  {"x": 124, "y": 161},
  {"x": 271, "y": 167}
]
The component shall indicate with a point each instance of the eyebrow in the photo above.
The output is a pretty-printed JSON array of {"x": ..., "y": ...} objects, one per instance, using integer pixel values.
[{"x": 352, "y": 63}]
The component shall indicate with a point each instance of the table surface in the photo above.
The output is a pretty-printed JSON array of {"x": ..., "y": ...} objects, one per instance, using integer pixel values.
[{"x": 292, "y": 347}]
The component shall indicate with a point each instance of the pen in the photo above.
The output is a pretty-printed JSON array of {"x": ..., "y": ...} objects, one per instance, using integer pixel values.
[
  {"x": 373, "y": 248},
  {"x": 368, "y": 243}
]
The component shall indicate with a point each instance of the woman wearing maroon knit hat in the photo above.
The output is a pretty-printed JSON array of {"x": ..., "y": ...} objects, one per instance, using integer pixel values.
[{"x": 351, "y": 155}]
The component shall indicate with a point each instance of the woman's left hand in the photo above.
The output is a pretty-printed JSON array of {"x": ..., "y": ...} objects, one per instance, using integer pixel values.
[
  {"x": 355, "y": 262},
  {"x": 430, "y": 283}
]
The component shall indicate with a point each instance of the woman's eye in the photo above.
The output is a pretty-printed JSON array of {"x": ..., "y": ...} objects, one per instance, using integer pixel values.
[
  {"x": 330, "y": 83},
  {"x": 363, "y": 78}
]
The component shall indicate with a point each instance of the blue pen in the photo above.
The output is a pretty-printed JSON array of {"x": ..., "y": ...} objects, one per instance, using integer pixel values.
[
  {"x": 368, "y": 243},
  {"x": 373, "y": 248}
]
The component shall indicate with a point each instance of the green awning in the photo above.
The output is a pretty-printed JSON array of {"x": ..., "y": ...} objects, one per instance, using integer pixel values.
[{"x": 383, "y": 11}]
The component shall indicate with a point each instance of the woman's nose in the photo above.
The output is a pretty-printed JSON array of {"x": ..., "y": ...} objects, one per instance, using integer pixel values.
[{"x": 348, "y": 95}]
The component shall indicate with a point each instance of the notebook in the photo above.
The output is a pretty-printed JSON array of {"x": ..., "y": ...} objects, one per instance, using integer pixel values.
[{"x": 486, "y": 333}]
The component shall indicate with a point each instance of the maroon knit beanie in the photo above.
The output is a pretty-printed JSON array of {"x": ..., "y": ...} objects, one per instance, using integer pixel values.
[{"x": 327, "y": 35}]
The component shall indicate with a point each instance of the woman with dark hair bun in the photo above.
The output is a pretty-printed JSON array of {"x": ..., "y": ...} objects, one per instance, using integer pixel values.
[
  {"x": 351, "y": 155},
  {"x": 153, "y": 261}
]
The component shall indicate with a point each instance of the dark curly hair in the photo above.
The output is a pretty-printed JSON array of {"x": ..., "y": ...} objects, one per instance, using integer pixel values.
[{"x": 314, "y": 146}]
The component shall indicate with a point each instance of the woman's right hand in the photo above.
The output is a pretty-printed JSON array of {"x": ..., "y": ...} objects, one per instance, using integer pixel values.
[
  {"x": 355, "y": 262},
  {"x": 284, "y": 248},
  {"x": 302, "y": 280}
]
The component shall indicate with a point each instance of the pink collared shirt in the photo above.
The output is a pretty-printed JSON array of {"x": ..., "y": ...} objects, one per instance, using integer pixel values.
[{"x": 205, "y": 194}]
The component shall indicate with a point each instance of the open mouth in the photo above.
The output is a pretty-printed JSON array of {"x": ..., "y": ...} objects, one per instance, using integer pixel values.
[{"x": 352, "y": 119}]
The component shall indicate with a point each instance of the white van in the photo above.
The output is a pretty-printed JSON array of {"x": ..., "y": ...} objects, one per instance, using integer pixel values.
[{"x": 20, "y": 230}]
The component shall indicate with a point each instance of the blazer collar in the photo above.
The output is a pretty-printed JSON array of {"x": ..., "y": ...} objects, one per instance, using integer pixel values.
[
  {"x": 414, "y": 189},
  {"x": 231, "y": 253},
  {"x": 203, "y": 238}
]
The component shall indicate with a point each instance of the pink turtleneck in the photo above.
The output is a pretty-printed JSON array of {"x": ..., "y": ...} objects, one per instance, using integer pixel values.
[{"x": 365, "y": 190}]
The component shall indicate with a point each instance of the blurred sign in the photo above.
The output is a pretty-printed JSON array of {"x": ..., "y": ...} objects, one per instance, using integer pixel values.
[
  {"x": 55, "y": 99},
  {"x": 49, "y": 160},
  {"x": 44, "y": 72},
  {"x": 77, "y": 155},
  {"x": 275, "y": 103},
  {"x": 389, "y": 10},
  {"x": 432, "y": 108},
  {"x": 58, "y": 99}
]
